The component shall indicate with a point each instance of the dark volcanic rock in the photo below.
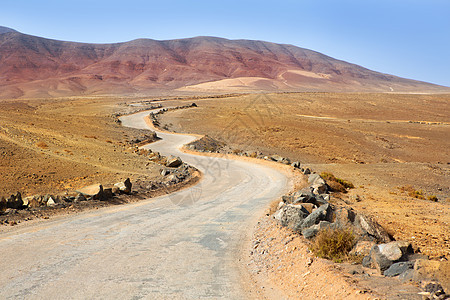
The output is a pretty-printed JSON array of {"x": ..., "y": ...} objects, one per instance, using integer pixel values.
[
  {"x": 173, "y": 162},
  {"x": 125, "y": 186},
  {"x": 323, "y": 213},
  {"x": 398, "y": 268},
  {"x": 291, "y": 216}
]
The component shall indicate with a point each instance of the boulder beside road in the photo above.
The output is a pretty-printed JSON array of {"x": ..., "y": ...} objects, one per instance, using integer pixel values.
[
  {"x": 173, "y": 162},
  {"x": 291, "y": 216},
  {"x": 124, "y": 186},
  {"x": 15, "y": 201},
  {"x": 382, "y": 256},
  {"x": 95, "y": 191}
]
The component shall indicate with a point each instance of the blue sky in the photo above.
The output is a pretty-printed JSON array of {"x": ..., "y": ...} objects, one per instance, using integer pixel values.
[{"x": 406, "y": 38}]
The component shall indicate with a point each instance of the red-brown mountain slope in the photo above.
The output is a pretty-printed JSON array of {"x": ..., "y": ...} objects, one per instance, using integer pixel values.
[{"x": 37, "y": 67}]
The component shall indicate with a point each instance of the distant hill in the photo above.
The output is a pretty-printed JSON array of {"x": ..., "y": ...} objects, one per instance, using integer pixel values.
[
  {"x": 6, "y": 30},
  {"x": 32, "y": 66}
]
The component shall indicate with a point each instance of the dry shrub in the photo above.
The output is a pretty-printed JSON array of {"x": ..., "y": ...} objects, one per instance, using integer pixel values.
[
  {"x": 417, "y": 194},
  {"x": 41, "y": 145},
  {"x": 336, "y": 187},
  {"x": 433, "y": 198},
  {"x": 336, "y": 184},
  {"x": 334, "y": 244},
  {"x": 412, "y": 192}
]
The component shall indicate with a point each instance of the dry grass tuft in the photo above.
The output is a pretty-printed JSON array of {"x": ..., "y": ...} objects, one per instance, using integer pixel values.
[
  {"x": 336, "y": 187},
  {"x": 42, "y": 145},
  {"x": 336, "y": 184},
  {"x": 412, "y": 192},
  {"x": 433, "y": 198},
  {"x": 334, "y": 244},
  {"x": 418, "y": 194}
]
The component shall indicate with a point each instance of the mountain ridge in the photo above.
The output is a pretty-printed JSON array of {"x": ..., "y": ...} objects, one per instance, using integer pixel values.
[{"x": 32, "y": 66}]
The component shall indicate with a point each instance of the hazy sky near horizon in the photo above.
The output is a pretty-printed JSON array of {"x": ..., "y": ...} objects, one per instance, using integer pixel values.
[{"x": 407, "y": 38}]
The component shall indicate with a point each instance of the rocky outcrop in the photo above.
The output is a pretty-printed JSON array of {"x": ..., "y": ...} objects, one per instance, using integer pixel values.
[
  {"x": 382, "y": 256},
  {"x": 432, "y": 270},
  {"x": 318, "y": 184},
  {"x": 296, "y": 165},
  {"x": 398, "y": 268},
  {"x": 317, "y": 213},
  {"x": 173, "y": 162},
  {"x": 176, "y": 175},
  {"x": 434, "y": 290},
  {"x": 95, "y": 191},
  {"x": 210, "y": 145},
  {"x": 124, "y": 186},
  {"x": 144, "y": 139},
  {"x": 80, "y": 197},
  {"x": 91, "y": 192},
  {"x": 279, "y": 159},
  {"x": 291, "y": 216},
  {"x": 50, "y": 202},
  {"x": 144, "y": 105},
  {"x": 308, "y": 211},
  {"x": 15, "y": 201},
  {"x": 87, "y": 196},
  {"x": 206, "y": 144},
  {"x": 362, "y": 248},
  {"x": 322, "y": 213},
  {"x": 153, "y": 116},
  {"x": 362, "y": 226},
  {"x": 3, "y": 204}
]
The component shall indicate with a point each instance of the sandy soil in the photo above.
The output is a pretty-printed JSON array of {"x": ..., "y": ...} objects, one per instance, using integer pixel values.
[
  {"x": 236, "y": 84},
  {"x": 51, "y": 146},
  {"x": 380, "y": 142}
]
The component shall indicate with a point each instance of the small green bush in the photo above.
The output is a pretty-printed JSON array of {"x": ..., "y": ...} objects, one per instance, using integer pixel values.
[{"x": 334, "y": 244}]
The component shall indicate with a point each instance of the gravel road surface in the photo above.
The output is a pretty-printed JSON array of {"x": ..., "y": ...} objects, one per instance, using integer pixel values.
[{"x": 183, "y": 245}]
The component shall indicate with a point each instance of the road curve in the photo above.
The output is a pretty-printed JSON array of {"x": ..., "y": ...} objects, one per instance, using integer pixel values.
[{"x": 183, "y": 245}]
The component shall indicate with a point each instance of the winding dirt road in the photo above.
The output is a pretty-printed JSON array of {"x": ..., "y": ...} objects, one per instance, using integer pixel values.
[{"x": 183, "y": 245}]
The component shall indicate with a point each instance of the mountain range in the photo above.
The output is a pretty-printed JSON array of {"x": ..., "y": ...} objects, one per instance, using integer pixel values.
[{"x": 33, "y": 66}]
